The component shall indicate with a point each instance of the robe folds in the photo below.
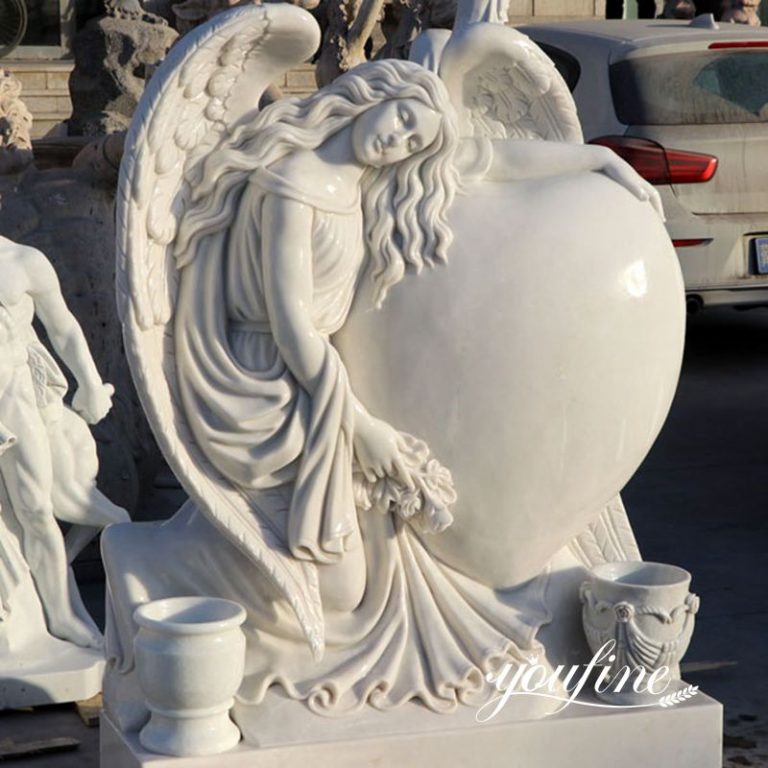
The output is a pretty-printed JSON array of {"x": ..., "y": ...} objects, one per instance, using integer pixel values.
[
  {"x": 420, "y": 629},
  {"x": 251, "y": 418}
]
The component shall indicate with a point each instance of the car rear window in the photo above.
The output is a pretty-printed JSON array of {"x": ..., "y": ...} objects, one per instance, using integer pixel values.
[
  {"x": 709, "y": 87},
  {"x": 567, "y": 65}
]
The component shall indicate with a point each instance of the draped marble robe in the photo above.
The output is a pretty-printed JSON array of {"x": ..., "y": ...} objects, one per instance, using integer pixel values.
[
  {"x": 251, "y": 418},
  {"x": 421, "y": 630}
]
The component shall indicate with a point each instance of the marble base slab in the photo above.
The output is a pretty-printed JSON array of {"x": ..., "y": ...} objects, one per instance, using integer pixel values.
[
  {"x": 686, "y": 736},
  {"x": 49, "y": 671},
  {"x": 35, "y": 667}
]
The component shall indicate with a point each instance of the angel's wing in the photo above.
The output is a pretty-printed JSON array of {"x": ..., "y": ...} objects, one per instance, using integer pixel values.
[
  {"x": 502, "y": 84},
  {"x": 609, "y": 538},
  {"x": 212, "y": 79}
]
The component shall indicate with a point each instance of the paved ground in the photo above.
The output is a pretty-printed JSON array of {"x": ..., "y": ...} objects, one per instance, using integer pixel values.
[{"x": 700, "y": 500}]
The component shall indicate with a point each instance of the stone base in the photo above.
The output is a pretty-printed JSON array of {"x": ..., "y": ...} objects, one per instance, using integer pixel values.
[
  {"x": 36, "y": 668},
  {"x": 50, "y": 671},
  {"x": 685, "y": 736}
]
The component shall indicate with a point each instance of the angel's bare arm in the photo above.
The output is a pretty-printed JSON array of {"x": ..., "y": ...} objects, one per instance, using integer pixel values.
[
  {"x": 287, "y": 267},
  {"x": 93, "y": 397},
  {"x": 519, "y": 159}
]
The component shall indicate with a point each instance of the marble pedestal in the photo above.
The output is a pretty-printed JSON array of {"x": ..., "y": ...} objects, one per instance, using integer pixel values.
[
  {"x": 36, "y": 668},
  {"x": 50, "y": 672},
  {"x": 685, "y": 736}
]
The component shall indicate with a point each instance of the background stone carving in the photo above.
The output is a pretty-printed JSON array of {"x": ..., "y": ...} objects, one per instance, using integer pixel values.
[
  {"x": 114, "y": 57},
  {"x": 15, "y": 126},
  {"x": 741, "y": 12}
]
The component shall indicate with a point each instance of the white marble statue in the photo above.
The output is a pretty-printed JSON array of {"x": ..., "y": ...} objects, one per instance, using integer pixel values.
[
  {"x": 301, "y": 361},
  {"x": 48, "y": 463}
]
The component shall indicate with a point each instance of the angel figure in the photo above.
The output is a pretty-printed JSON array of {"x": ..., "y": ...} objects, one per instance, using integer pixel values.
[
  {"x": 244, "y": 240},
  {"x": 48, "y": 458},
  {"x": 355, "y": 179}
]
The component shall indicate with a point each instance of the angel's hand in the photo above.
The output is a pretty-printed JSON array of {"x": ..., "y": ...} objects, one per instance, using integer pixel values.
[
  {"x": 608, "y": 162},
  {"x": 379, "y": 450},
  {"x": 93, "y": 403}
]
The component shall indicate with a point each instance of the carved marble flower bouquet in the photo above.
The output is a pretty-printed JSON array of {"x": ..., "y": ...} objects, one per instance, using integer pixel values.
[{"x": 403, "y": 342}]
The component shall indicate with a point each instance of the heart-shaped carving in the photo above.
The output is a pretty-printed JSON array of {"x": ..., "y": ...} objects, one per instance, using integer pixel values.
[{"x": 539, "y": 364}]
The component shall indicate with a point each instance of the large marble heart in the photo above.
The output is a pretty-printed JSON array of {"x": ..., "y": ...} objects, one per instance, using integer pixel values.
[{"x": 539, "y": 364}]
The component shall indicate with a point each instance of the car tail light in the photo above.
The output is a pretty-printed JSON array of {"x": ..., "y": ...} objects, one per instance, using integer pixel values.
[
  {"x": 738, "y": 44},
  {"x": 659, "y": 165},
  {"x": 691, "y": 241}
]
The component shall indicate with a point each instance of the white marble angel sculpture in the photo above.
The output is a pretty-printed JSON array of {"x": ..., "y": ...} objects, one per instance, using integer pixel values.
[
  {"x": 246, "y": 238},
  {"x": 48, "y": 462}
]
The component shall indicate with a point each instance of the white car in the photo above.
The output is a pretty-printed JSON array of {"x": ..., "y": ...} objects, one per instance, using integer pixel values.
[{"x": 686, "y": 103}]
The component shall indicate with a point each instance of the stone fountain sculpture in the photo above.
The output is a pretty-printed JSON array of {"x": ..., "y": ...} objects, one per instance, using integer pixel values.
[
  {"x": 50, "y": 648},
  {"x": 403, "y": 341}
]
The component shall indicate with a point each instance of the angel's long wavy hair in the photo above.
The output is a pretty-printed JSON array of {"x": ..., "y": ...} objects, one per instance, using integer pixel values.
[{"x": 404, "y": 204}]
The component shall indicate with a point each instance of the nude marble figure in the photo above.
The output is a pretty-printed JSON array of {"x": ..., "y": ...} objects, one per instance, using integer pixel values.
[{"x": 48, "y": 465}]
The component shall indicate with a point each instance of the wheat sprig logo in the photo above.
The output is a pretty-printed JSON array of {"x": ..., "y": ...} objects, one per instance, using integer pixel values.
[{"x": 671, "y": 699}]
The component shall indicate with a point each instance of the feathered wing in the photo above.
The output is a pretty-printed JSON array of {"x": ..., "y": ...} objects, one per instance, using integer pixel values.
[
  {"x": 609, "y": 538},
  {"x": 504, "y": 86},
  {"x": 211, "y": 80}
]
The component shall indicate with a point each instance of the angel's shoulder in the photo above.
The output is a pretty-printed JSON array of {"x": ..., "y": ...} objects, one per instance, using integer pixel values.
[
  {"x": 295, "y": 168},
  {"x": 296, "y": 184}
]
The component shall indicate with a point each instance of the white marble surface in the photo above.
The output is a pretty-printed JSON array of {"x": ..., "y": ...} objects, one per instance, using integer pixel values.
[
  {"x": 539, "y": 363},
  {"x": 35, "y": 667},
  {"x": 382, "y": 485},
  {"x": 647, "y": 611},
  {"x": 50, "y": 672},
  {"x": 687, "y": 736},
  {"x": 190, "y": 653},
  {"x": 48, "y": 467}
]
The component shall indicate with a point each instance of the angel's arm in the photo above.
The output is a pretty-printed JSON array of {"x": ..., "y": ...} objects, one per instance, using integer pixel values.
[
  {"x": 93, "y": 398},
  {"x": 286, "y": 249},
  {"x": 519, "y": 159},
  {"x": 288, "y": 285}
]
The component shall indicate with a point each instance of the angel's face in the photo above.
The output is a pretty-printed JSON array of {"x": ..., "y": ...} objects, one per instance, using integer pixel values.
[{"x": 392, "y": 131}]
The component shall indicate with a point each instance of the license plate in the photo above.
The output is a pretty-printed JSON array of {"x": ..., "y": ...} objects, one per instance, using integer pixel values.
[{"x": 761, "y": 255}]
